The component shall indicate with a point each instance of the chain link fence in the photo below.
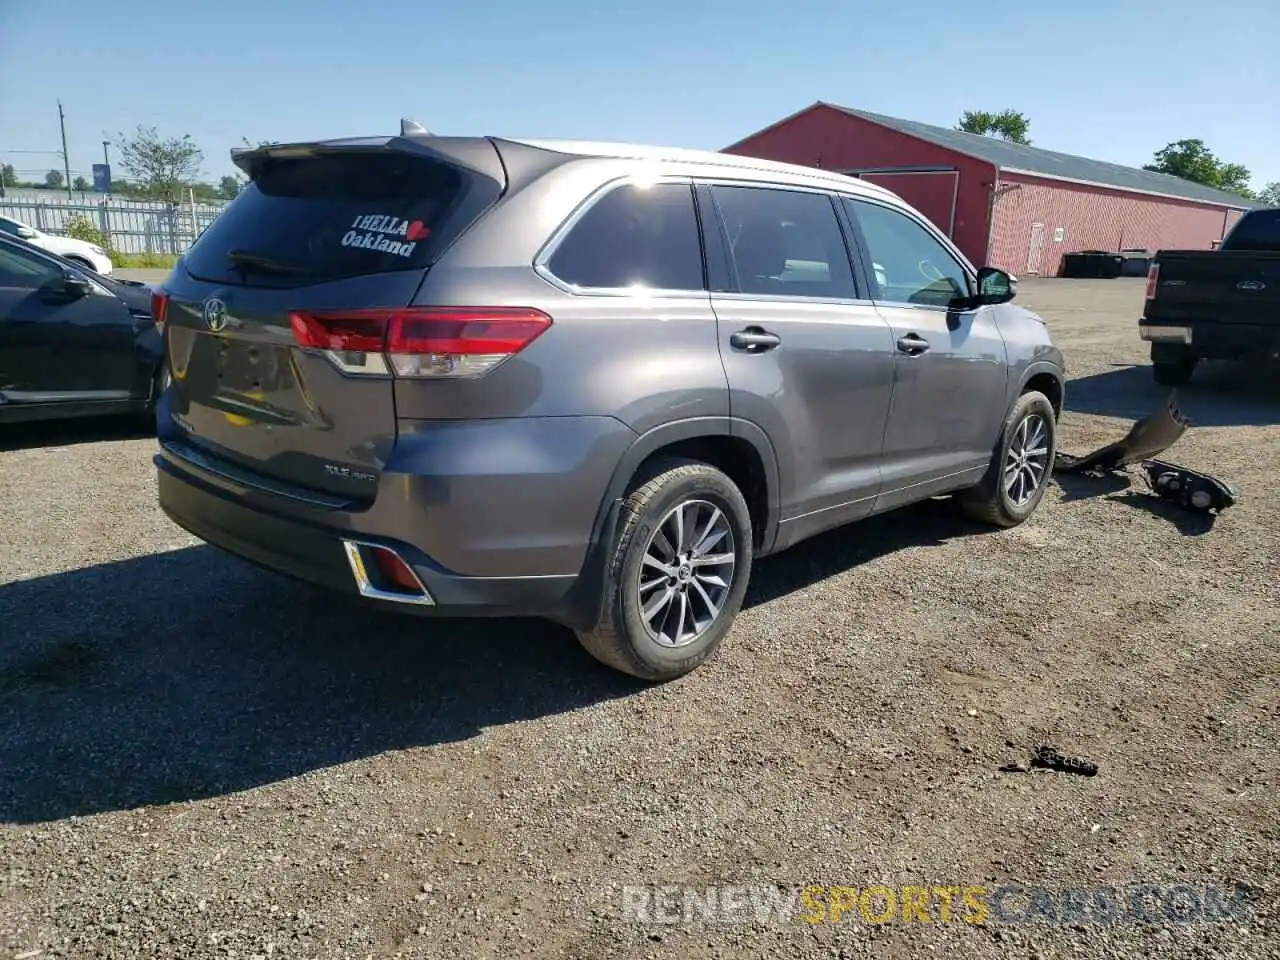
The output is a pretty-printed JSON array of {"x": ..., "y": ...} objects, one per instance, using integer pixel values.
[{"x": 130, "y": 226}]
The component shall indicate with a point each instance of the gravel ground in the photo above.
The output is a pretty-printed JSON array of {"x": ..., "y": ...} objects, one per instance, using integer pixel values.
[{"x": 204, "y": 760}]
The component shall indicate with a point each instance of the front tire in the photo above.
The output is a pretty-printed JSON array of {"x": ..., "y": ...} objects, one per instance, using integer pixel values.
[
  {"x": 1020, "y": 467},
  {"x": 677, "y": 574}
]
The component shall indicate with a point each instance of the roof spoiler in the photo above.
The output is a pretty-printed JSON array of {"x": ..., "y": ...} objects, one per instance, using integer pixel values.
[{"x": 476, "y": 154}]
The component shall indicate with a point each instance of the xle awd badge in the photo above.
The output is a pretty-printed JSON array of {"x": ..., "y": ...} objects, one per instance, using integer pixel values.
[{"x": 215, "y": 314}]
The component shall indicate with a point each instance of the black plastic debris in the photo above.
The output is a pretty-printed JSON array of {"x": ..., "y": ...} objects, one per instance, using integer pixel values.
[{"x": 1049, "y": 758}]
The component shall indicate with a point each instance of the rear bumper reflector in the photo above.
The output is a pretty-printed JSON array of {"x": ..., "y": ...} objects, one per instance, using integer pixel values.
[{"x": 382, "y": 574}]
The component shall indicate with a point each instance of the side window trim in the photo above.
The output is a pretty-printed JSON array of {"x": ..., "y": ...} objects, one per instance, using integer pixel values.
[
  {"x": 864, "y": 251},
  {"x": 861, "y": 289},
  {"x": 542, "y": 259},
  {"x": 719, "y": 272},
  {"x": 859, "y": 260}
]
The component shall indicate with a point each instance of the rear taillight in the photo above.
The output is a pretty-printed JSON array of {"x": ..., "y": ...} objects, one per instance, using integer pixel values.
[
  {"x": 420, "y": 341},
  {"x": 159, "y": 307},
  {"x": 1153, "y": 278}
]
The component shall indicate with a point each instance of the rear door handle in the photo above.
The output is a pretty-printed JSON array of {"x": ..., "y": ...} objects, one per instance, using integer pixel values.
[
  {"x": 913, "y": 344},
  {"x": 754, "y": 340}
]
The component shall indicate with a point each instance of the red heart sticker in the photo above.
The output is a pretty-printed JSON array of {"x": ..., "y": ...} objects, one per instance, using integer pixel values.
[{"x": 418, "y": 230}]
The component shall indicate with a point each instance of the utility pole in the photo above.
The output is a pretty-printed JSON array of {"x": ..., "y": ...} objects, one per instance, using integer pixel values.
[
  {"x": 106, "y": 159},
  {"x": 66, "y": 160}
]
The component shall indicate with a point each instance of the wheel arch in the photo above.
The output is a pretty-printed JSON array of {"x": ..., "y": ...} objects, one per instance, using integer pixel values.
[
  {"x": 1048, "y": 379},
  {"x": 738, "y": 447}
]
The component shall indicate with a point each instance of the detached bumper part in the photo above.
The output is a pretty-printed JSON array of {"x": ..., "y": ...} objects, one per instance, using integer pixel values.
[
  {"x": 1152, "y": 435},
  {"x": 1149, "y": 436}
]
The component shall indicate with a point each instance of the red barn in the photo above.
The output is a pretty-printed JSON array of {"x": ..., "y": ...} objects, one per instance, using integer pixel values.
[{"x": 1018, "y": 208}]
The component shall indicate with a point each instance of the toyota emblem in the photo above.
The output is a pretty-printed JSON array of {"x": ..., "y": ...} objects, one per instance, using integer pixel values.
[{"x": 215, "y": 314}]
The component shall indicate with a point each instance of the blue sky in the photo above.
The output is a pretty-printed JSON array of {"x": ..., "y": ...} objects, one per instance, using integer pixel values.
[{"x": 1109, "y": 80}]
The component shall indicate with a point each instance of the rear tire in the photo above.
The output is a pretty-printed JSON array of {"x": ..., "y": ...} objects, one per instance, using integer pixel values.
[
  {"x": 1020, "y": 467},
  {"x": 1172, "y": 365},
  {"x": 677, "y": 573}
]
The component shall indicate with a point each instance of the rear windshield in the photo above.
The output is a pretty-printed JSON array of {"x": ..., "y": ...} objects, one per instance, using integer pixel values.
[
  {"x": 313, "y": 219},
  {"x": 1259, "y": 230}
]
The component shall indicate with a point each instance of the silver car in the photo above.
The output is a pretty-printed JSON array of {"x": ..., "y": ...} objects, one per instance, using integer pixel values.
[{"x": 586, "y": 381}]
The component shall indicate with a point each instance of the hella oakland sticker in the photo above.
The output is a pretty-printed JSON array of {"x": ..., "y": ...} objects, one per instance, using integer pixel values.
[{"x": 374, "y": 231}]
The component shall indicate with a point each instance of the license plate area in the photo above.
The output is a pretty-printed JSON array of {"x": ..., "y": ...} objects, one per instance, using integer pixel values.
[{"x": 250, "y": 368}]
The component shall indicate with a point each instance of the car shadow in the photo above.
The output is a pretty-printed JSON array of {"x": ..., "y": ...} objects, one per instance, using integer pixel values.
[
  {"x": 1132, "y": 492},
  {"x": 930, "y": 523},
  {"x": 189, "y": 674},
  {"x": 1220, "y": 395},
  {"x": 76, "y": 430},
  {"x": 1189, "y": 523},
  {"x": 1083, "y": 486}
]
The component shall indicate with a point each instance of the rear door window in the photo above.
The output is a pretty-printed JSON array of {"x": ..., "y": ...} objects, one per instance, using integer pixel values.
[
  {"x": 785, "y": 243},
  {"x": 634, "y": 236},
  {"x": 324, "y": 217}
]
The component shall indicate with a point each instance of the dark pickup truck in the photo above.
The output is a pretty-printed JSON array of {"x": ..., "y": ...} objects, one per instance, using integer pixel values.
[{"x": 1219, "y": 304}]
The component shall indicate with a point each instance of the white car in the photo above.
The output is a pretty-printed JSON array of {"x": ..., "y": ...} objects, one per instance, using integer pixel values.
[{"x": 82, "y": 252}]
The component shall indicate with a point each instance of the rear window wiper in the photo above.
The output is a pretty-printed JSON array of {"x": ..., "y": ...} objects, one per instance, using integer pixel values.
[{"x": 264, "y": 264}]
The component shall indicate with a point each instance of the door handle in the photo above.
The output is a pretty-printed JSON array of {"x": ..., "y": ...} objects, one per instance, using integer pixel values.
[
  {"x": 912, "y": 344},
  {"x": 754, "y": 340}
]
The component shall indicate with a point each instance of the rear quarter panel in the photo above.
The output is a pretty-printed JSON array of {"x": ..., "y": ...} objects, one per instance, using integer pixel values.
[{"x": 642, "y": 361}]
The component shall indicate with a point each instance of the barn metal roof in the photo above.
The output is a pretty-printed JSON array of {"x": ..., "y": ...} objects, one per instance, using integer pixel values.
[{"x": 1014, "y": 157}]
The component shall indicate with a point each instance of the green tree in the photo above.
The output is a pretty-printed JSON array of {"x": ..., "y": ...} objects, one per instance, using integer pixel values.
[
  {"x": 1270, "y": 194},
  {"x": 1192, "y": 160},
  {"x": 164, "y": 167},
  {"x": 1008, "y": 124},
  {"x": 53, "y": 180},
  {"x": 81, "y": 184},
  {"x": 8, "y": 176},
  {"x": 229, "y": 187}
]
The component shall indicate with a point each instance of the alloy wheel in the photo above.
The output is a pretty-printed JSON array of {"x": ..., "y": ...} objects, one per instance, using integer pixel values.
[
  {"x": 687, "y": 573},
  {"x": 1027, "y": 463}
]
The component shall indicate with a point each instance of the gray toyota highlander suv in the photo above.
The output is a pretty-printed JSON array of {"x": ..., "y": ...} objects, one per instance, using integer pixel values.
[{"x": 585, "y": 381}]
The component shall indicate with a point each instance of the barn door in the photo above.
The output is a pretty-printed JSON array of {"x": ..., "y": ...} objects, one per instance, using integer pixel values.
[{"x": 1035, "y": 248}]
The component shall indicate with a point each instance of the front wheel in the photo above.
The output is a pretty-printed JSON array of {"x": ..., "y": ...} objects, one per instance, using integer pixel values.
[
  {"x": 677, "y": 574},
  {"x": 1021, "y": 465}
]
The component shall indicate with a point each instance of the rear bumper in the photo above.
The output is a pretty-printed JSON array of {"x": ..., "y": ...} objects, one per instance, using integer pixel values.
[
  {"x": 1213, "y": 340},
  {"x": 317, "y": 555},
  {"x": 497, "y": 519}
]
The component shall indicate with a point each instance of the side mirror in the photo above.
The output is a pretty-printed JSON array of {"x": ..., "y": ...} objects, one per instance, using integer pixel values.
[
  {"x": 995, "y": 286},
  {"x": 75, "y": 285},
  {"x": 26, "y": 233}
]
